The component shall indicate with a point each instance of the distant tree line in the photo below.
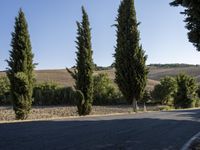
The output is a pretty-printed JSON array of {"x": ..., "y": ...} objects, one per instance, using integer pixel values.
[{"x": 176, "y": 65}]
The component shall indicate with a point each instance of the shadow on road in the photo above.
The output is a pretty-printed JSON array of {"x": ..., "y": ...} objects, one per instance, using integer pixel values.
[
  {"x": 192, "y": 114},
  {"x": 117, "y": 133}
]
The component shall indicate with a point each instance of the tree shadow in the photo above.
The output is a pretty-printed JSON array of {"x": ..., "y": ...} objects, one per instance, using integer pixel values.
[
  {"x": 112, "y": 133},
  {"x": 193, "y": 114}
]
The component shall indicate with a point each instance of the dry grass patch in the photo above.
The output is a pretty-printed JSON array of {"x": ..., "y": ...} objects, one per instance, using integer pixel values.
[{"x": 48, "y": 112}]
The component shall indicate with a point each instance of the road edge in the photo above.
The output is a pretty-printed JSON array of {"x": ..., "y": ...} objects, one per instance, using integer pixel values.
[
  {"x": 70, "y": 117},
  {"x": 187, "y": 145}
]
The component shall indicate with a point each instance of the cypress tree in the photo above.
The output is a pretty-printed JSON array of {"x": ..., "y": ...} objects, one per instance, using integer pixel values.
[
  {"x": 131, "y": 71},
  {"x": 21, "y": 67},
  {"x": 192, "y": 13},
  {"x": 84, "y": 66}
]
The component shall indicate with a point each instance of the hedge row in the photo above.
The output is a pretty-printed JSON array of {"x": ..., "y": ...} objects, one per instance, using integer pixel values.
[{"x": 49, "y": 93}]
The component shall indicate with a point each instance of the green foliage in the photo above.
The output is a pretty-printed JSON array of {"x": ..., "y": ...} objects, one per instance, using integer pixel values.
[
  {"x": 4, "y": 91},
  {"x": 80, "y": 102},
  {"x": 156, "y": 94},
  {"x": 198, "y": 91},
  {"x": 192, "y": 13},
  {"x": 20, "y": 71},
  {"x": 50, "y": 93},
  {"x": 104, "y": 90},
  {"x": 165, "y": 108},
  {"x": 186, "y": 96},
  {"x": 176, "y": 65},
  {"x": 165, "y": 91},
  {"x": 85, "y": 65},
  {"x": 131, "y": 71},
  {"x": 146, "y": 97}
]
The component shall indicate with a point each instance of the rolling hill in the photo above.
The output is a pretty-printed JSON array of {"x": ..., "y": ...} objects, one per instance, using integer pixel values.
[{"x": 62, "y": 77}]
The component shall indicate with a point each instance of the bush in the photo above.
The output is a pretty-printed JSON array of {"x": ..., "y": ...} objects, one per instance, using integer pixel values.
[
  {"x": 147, "y": 98},
  {"x": 5, "y": 97},
  {"x": 186, "y": 95},
  {"x": 165, "y": 108},
  {"x": 51, "y": 94},
  {"x": 105, "y": 92},
  {"x": 163, "y": 93}
]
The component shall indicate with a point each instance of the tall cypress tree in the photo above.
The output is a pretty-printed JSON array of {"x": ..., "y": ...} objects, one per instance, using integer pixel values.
[
  {"x": 21, "y": 67},
  {"x": 131, "y": 71},
  {"x": 192, "y": 13},
  {"x": 84, "y": 66}
]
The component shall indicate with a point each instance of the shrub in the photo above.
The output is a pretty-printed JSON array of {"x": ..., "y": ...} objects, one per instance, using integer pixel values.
[
  {"x": 44, "y": 93},
  {"x": 186, "y": 96},
  {"x": 105, "y": 92},
  {"x": 146, "y": 97},
  {"x": 65, "y": 95},
  {"x": 5, "y": 97},
  {"x": 164, "y": 92},
  {"x": 50, "y": 93},
  {"x": 165, "y": 108}
]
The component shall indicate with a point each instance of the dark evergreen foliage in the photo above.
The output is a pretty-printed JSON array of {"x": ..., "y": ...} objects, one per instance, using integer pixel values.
[
  {"x": 50, "y": 93},
  {"x": 84, "y": 67},
  {"x": 5, "y": 98},
  {"x": 20, "y": 71},
  {"x": 147, "y": 98},
  {"x": 163, "y": 93},
  {"x": 186, "y": 96},
  {"x": 192, "y": 13},
  {"x": 131, "y": 71}
]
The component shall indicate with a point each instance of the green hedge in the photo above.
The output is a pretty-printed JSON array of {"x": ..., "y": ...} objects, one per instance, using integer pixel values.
[
  {"x": 52, "y": 94},
  {"x": 105, "y": 92},
  {"x": 49, "y": 93},
  {"x": 5, "y": 98}
]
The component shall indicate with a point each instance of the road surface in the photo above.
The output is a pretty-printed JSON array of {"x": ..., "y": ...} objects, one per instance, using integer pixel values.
[{"x": 145, "y": 131}]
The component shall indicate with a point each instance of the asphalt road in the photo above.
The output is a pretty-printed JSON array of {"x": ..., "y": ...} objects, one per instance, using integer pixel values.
[{"x": 147, "y": 131}]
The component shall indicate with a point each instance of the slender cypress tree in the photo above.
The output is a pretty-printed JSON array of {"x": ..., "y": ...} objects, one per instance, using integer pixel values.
[
  {"x": 131, "y": 71},
  {"x": 83, "y": 74},
  {"x": 20, "y": 71},
  {"x": 192, "y": 13}
]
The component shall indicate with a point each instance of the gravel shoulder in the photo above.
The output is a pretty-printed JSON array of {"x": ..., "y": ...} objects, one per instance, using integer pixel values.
[{"x": 48, "y": 112}]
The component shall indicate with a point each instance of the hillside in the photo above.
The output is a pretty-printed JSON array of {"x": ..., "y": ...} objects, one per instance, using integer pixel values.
[
  {"x": 62, "y": 77},
  {"x": 156, "y": 73}
]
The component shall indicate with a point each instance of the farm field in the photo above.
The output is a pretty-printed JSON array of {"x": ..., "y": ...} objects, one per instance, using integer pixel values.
[{"x": 63, "y": 78}]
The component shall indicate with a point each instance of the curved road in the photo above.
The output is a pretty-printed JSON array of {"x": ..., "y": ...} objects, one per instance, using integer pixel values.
[{"x": 145, "y": 131}]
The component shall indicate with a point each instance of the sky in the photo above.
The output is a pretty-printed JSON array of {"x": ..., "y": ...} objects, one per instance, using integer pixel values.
[{"x": 52, "y": 28}]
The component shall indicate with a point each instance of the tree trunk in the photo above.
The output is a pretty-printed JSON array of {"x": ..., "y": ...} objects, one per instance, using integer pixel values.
[
  {"x": 145, "y": 108},
  {"x": 135, "y": 106}
]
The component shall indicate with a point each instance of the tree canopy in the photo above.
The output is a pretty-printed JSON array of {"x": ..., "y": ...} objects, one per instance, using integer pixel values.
[{"x": 192, "y": 13}]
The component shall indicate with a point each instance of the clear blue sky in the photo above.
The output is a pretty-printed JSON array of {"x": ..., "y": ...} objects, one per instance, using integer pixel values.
[{"x": 52, "y": 27}]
